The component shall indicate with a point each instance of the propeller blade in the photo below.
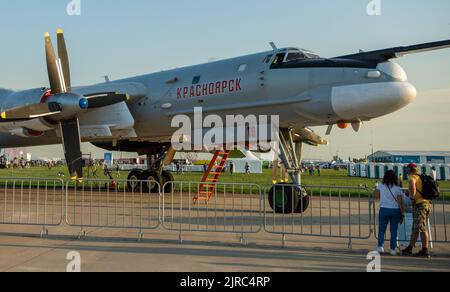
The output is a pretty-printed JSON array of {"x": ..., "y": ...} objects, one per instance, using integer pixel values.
[
  {"x": 64, "y": 58},
  {"x": 98, "y": 100},
  {"x": 55, "y": 76},
  {"x": 70, "y": 131},
  {"x": 32, "y": 111}
]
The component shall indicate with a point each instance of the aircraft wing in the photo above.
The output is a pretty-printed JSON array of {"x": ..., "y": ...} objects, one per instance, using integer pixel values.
[{"x": 392, "y": 53}]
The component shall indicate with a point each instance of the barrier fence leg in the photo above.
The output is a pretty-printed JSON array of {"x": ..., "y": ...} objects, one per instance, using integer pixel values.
[
  {"x": 140, "y": 236},
  {"x": 350, "y": 244},
  {"x": 82, "y": 233},
  {"x": 180, "y": 237},
  {"x": 242, "y": 239},
  {"x": 44, "y": 231}
]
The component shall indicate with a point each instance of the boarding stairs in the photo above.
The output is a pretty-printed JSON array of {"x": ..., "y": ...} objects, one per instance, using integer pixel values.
[{"x": 211, "y": 176}]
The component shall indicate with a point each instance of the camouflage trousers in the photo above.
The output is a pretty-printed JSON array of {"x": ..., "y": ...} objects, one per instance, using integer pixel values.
[{"x": 421, "y": 214}]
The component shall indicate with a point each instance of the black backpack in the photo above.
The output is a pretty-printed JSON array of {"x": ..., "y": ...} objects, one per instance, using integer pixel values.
[{"x": 431, "y": 189}]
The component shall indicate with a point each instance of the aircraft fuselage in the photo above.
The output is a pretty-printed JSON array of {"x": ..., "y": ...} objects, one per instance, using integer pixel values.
[{"x": 304, "y": 93}]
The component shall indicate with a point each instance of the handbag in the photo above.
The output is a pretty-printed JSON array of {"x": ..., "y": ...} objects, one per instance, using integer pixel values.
[{"x": 402, "y": 217}]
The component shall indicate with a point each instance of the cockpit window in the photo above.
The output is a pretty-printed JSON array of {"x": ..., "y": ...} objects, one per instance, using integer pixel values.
[
  {"x": 267, "y": 59},
  {"x": 279, "y": 58},
  {"x": 311, "y": 55},
  {"x": 292, "y": 56}
]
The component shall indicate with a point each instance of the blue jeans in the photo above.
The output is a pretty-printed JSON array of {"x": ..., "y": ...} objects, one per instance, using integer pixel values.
[{"x": 392, "y": 217}]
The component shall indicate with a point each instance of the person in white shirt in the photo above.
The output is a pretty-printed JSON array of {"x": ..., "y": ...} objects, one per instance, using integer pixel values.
[
  {"x": 391, "y": 210},
  {"x": 434, "y": 173}
]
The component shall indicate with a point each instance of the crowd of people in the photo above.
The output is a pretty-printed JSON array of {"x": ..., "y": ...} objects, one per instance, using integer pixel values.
[
  {"x": 313, "y": 169},
  {"x": 17, "y": 162}
]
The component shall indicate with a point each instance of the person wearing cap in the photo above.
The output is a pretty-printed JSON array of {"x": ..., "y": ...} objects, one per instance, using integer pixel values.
[{"x": 421, "y": 213}]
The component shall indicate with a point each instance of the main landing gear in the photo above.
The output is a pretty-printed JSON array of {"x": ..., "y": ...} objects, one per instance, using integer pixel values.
[
  {"x": 154, "y": 178},
  {"x": 289, "y": 198}
]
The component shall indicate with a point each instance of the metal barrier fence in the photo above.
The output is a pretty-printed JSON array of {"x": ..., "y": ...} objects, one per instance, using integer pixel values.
[
  {"x": 113, "y": 204},
  {"x": 438, "y": 229},
  {"x": 232, "y": 208},
  {"x": 239, "y": 208},
  {"x": 332, "y": 211},
  {"x": 31, "y": 201}
]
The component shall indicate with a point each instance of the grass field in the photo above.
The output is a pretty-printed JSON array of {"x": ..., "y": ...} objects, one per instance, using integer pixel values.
[{"x": 328, "y": 177}]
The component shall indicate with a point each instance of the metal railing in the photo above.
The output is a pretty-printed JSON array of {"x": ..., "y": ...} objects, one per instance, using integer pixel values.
[
  {"x": 113, "y": 204},
  {"x": 239, "y": 208},
  {"x": 331, "y": 211},
  {"x": 440, "y": 215},
  {"x": 31, "y": 201},
  {"x": 232, "y": 208}
]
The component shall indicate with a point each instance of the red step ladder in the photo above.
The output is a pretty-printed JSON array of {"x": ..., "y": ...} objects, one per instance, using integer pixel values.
[{"x": 211, "y": 177}]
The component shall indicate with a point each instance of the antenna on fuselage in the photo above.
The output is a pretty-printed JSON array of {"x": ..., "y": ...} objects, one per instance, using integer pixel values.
[{"x": 274, "y": 47}]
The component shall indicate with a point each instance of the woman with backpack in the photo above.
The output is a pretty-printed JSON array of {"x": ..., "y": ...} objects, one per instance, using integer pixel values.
[{"x": 391, "y": 210}]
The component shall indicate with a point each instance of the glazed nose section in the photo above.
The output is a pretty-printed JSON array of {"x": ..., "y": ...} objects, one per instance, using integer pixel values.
[{"x": 371, "y": 100}]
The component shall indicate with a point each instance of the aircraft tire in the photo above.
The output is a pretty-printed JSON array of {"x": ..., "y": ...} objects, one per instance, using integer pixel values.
[
  {"x": 150, "y": 177},
  {"x": 167, "y": 177},
  {"x": 133, "y": 177},
  {"x": 283, "y": 199}
]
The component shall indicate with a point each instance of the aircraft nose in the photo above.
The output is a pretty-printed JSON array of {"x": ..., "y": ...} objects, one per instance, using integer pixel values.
[{"x": 371, "y": 100}]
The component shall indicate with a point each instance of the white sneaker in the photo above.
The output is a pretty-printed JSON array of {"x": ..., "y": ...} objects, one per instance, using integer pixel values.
[
  {"x": 380, "y": 250},
  {"x": 393, "y": 253}
]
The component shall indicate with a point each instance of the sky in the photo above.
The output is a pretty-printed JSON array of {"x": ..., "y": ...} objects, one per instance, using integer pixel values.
[{"x": 125, "y": 38}]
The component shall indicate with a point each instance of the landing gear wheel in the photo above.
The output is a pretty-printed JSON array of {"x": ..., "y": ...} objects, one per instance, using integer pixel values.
[
  {"x": 167, "y": 177},
  {"x": 284, "y": 199},
  {"x": 303, "y": 201},
  {"x": 151, "y": 180},
  {"x": 133, "y": 180}
]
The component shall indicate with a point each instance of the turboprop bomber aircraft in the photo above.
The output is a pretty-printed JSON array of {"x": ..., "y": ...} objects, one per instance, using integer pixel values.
[{"x": 135, "y": 114}]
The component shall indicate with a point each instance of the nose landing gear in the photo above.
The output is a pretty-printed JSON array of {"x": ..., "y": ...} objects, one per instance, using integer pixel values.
[{"x": 289, "y": 198}]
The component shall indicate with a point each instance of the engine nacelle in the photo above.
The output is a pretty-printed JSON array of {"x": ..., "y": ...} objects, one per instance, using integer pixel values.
[
  {"x": 26, "y": 133},
  {"x": 21, "y": 98},
  {"x": 30, "y": 128},
  {"x": 67, "y": 106},
  {"x": 37, "y": 125}
]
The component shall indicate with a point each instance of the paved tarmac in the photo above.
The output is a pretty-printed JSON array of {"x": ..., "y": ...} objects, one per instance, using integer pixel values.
[{"x": 106, "y": 250}]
